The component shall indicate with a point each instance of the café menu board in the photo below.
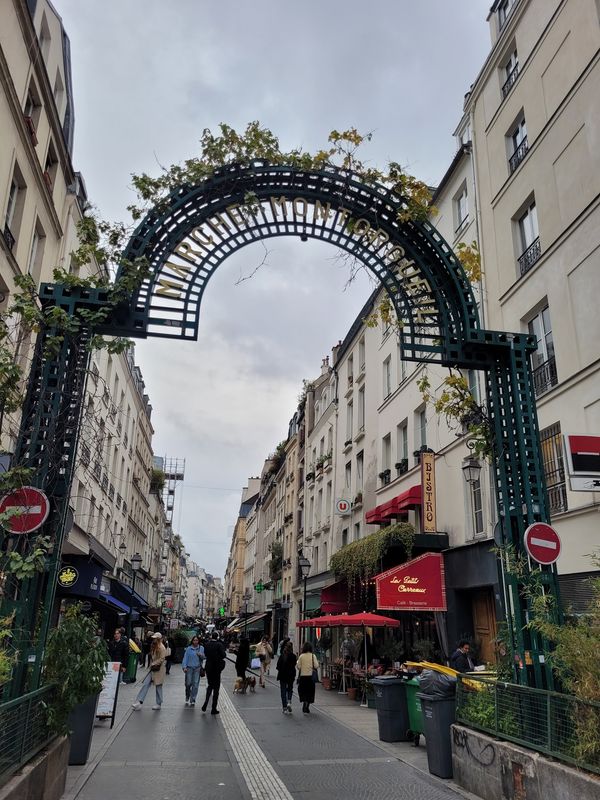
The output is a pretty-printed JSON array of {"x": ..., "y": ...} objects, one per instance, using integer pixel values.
[
  {"x": 110, "y": 688},
  {"x": 418, "y": 585}
]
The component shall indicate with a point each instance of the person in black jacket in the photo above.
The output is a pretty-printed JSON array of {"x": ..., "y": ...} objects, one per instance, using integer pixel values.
[
  {"x": 460, "y": 660},
  {"x": 241, "y": 658},
  {"x": 286, "y": 672},
  {"x": 118, "y": 650},
  {"x": 214, "y": 652}
]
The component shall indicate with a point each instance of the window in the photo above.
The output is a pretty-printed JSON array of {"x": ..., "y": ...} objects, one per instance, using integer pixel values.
[
  {"x": 518, "y": 144},
  {"x": 32, "y": 111},
  {"x": 510, "y": 72},
  {"x": 387, "y": 377},
  {"x": 327, "y": 509},
  {"x": 386, "y": 459},
  {"x": 325, "y": 562},
  {"x": 402, "y": 447},
  {"x": 344, "y": 537},
  {"x": 316, "y": 559},
  {"x": 361, "y": 409},
  {"x": 504, "y": 10},
  {"x": 422, "y": 428},
  {"x": 348, "y": 475},
  {"x": 401, "y": 366},
  {"x": 44, "y": 38},
  {"x": 472, "y": 380},
  {"x": 360, "y": 464},
  {"x": 51, "y": 167},
  {"x": 361, "y": 354},
  {"x": 476, "y": 508},
  {"x": 543, "y": 361},
  {"x": 461, "y": 209},
  {"x": 356, "y": 531},
  {"x": 14, "y": 208},
  {"x": 350, "y": 370},
  {"x": 59, "y": 93},
  {"x": 349, "y": 421},
  {"x": 529, "y": 239},
  {"x": 554, "y": 469},
  {"x": 36, "y": 252}
]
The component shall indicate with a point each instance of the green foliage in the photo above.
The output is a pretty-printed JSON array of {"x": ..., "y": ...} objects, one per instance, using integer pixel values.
[
  {"x": 180, "y": 637},
  {"x": 470, "y": 258},
  {"x": 457, "y": 404},
  {"x": 25, "y": 565},
  {"x": 157, "y": 480},
  {"x": 276, "y": 563},
  {"x": 361, "y": 560},
  {"x": 7, "y": 657},
  {"x": 75, "y": 662}
]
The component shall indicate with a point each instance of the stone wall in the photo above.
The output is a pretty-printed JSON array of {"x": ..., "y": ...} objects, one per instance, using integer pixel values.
[
  {"x": 509, "y": 772},
  {"x": 42, "y": 778}
]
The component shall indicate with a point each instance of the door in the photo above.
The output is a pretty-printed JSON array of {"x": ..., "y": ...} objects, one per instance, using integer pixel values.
[{"x": 484, "y": 624}]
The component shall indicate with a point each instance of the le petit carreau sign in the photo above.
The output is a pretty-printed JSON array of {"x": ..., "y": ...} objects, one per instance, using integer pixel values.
[{"x": 418, "y": 585}]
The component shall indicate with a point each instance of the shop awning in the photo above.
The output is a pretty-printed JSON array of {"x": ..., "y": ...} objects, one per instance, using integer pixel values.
[
  {"x": 417, "y": 585},
  {"x": 255, "y": 623},
  {"x": 396, "y": 507},
  {"x": 334, "y": 598},
  {"x": 236, "y": 622},
  {"x": 112, "y": 601}
]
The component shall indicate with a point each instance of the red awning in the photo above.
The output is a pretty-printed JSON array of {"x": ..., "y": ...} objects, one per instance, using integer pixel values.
[
  {"x": 334, "y": 598},
  {"x": 396, "y": 507},
  {"x": 417, "y": 585}
]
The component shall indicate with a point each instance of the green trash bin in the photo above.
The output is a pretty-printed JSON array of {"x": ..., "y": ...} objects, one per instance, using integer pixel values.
[
  {"x": 415, "y": 710},
  {"x": 132, "y": 665}
]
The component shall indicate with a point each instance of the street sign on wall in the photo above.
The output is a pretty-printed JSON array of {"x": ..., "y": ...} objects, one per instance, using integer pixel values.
[
  {"x": 582, "y": 456},
  {"x": 342, "y": 507},
  {"x": 542, "y": 543},
  {"x": 429, "y": 521},
  {"x": 30, "y": 508}
]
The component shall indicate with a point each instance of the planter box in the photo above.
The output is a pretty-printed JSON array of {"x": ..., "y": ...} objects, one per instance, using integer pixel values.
[{"x": 81, "y": 723}]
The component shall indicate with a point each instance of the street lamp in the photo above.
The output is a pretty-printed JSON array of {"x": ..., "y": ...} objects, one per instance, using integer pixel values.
[
  {"x": 471, "y": 468},
  {"x": 304, "y": 565},
  {"x": 246, "y": 600},
  {"x": 136, "y": 563}
]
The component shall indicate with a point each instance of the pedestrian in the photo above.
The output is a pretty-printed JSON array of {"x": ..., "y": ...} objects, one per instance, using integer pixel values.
[
  {"x": 286, "y": 672},
  {"x": 118, "y": 650},
  {"x": 242, "y": 658},
  {"x": 282, "y": 644},
  {"x": 192, "y": 665},
  {"x": 265, "y": 653},
  {"x": 214, "y": 651},
  {"x": 146, "y": 649},
  {"x": 156, "y": 674},
  {"x": 461, "y": 660},
  {"x": 170, "y": 647},
  {"x": 306, "y": 664}
]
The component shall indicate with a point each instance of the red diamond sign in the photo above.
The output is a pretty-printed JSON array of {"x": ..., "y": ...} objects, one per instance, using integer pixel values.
[{"x": 30, "y": 509}]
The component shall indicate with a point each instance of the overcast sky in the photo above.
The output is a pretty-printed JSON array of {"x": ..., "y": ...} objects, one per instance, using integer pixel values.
[{"x": 149, "y": 76}]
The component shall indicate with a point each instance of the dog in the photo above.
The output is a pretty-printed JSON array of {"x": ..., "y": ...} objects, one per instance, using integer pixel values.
[{"x": 241, "y": 686}]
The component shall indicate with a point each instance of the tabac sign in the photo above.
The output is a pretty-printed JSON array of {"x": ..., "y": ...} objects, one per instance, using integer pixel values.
[
  {"x": 418, "y": 585},
  {"x": 428, "y": 522}
]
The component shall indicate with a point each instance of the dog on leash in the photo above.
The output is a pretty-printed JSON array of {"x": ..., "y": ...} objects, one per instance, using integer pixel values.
[{"x": 241, "y": 686}]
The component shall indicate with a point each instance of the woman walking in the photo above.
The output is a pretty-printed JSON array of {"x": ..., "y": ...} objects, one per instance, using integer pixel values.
[
  {"x": 265, "y": 653},
  {"x": 156, "y": 673},
  {"x": 242, "y": 658},
  {"x": 286, "y": 672},
  {"x": 306, "y": 683},
  {"x": 193, "y": 659}
]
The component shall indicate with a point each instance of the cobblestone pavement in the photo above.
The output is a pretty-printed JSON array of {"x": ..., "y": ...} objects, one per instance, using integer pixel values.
[{"x": 251, "y": 751}]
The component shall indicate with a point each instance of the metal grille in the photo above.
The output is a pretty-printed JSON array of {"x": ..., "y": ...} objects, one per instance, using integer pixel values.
[
  {"x": 518, "y": 155},
  {"x": 545, "y": 376},
  {"x": 559, "y": 725},
  {"x": 23, "y": 730},
  {"x": 530, "y": 256},
  {"x": 554, "y": 470},
  {"x": 509, "y": 82}
]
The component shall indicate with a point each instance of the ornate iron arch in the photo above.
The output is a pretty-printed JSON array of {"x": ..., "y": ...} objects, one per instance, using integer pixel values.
[{"x": 185, "y": 239}]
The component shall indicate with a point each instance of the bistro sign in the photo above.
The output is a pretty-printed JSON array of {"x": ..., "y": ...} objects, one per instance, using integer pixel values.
[
  {"x": 418, "y": 585},
  {"x": 429, "y": 522}
]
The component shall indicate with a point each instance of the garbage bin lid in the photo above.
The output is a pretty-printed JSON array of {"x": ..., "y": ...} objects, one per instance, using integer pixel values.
[
  {"x": 436, "y": 698},
  {"x": 386, "y": 680}
]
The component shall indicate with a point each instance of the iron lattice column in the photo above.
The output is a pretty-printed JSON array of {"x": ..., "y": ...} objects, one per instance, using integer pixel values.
[
  {"x": 522, "y": 500},
  {"x": 47, "y": 444}
]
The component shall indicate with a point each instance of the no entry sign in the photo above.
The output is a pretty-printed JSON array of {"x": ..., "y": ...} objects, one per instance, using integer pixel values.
[
  {"x": 30, "y": 509},
  {"x": 542, "y": 543}
]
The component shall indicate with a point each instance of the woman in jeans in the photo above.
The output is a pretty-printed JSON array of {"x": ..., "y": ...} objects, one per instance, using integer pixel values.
[
  {"x": 156, "y": 674},
  {"x": 306, "y": 686},
  {"x": 286, "y": 672},
  {"x": 192, "y": 667}
]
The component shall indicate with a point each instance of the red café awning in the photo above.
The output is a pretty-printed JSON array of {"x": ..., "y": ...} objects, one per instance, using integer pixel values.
[
  {"x": 417, "y": 585},
  {"x": 396, "y": 507}
]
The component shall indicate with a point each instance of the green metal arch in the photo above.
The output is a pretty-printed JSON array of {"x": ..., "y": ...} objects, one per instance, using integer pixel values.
[{"x": 439, "y": 335}]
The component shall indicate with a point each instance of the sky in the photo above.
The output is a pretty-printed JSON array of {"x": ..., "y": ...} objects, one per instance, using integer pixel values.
[{"x": 148, "y": 77}]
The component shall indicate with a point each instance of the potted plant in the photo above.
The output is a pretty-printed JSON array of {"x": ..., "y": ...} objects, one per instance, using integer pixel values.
[
  {"x": 370, "y": 692},
  {"x": 180, "y": 640},
  {"x": 75, "y": 662},
  {"x": 352, "y": 690}
]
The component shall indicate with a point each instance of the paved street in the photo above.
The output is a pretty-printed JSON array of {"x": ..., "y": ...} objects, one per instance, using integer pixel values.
[{"x": 251, "y": 750}]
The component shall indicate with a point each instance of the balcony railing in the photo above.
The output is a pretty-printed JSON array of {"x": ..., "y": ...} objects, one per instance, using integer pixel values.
[
  {"x": 518, "y": 155},
  {"x": 9, "y": 238},
  {"x": 545, "y": 376},
  {"x": 557, "y": 491},
  {"x": 510, "y": 81},
  {"x": 530, "y": 256}
]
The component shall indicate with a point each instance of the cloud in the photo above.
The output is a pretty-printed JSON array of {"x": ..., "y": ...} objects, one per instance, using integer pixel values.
[{"x": 149, "y": 76}]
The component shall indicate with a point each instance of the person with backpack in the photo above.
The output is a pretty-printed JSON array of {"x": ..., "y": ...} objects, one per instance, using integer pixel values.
[
  {"x": 214, "y": 651},
  {"x": 193, "y": 659},
  {"x": 286, "y": 672}
]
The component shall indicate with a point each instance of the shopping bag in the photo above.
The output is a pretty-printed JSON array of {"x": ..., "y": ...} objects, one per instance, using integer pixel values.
[{"x": 255, "y": 663}]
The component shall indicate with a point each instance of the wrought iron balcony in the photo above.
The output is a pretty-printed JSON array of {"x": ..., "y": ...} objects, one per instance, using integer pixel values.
[
  {"x": 545, "y": 376},
  {"x": 557, "y": 491},
  {"x": 9, "y": 238},
  {"x": 528, "y": 258},
  {"x": 510, "y": 81},
  {"x": 518, "y": 155}
]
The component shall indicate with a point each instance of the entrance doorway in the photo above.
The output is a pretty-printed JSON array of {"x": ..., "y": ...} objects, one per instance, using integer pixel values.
[{"x": 484, "y": 624}]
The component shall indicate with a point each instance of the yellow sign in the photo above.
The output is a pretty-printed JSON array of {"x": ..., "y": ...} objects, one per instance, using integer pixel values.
[
  {"x": 67, "y": 577},
  {"x": 428, "y": 492}
]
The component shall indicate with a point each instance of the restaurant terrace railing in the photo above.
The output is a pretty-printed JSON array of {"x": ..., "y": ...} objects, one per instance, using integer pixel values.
[
  {"x": 23, "y": 730},
  {"x": 559, "y": 725}
]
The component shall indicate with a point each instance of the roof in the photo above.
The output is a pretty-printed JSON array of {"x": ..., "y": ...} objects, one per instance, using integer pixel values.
[{"x": 463, "y": 150}]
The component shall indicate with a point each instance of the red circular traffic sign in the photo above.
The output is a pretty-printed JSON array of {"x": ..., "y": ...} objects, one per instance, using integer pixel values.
[
  {"x": 542, "y": 543},
  {"x": 31, "y": 509}
]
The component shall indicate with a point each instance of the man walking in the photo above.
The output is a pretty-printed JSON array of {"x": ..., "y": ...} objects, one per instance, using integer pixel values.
[
  {"x": 118, "y": 650},
  {"x": 214, "y": 652}
]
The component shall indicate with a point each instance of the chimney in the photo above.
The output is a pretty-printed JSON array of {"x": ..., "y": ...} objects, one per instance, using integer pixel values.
[
  {"x": 325, "y": 366},
  {"x": 334, "y": 352}
]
